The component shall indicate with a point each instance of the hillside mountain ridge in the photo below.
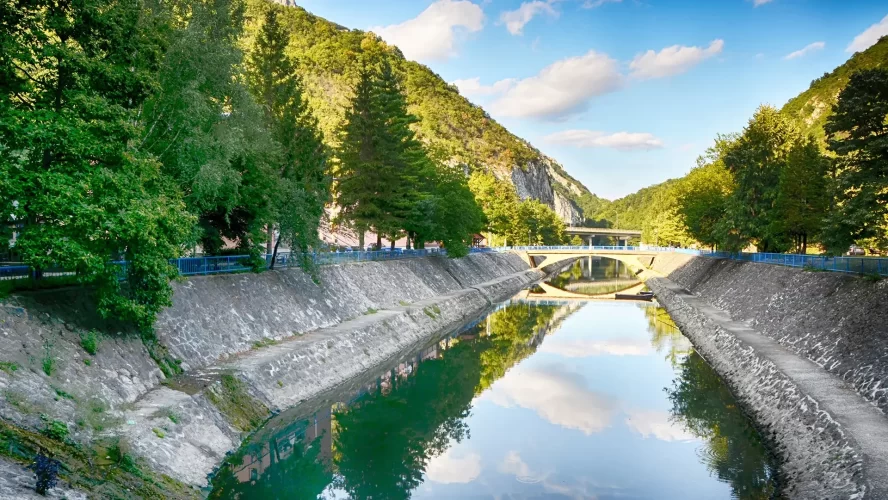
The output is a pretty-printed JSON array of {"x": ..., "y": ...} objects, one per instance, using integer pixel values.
[
  {"x": 328, "y": 56},
  {"x": 810, "y": 110}
]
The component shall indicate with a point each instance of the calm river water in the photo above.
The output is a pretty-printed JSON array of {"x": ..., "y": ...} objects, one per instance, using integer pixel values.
[{"x": 540, "y": 399}]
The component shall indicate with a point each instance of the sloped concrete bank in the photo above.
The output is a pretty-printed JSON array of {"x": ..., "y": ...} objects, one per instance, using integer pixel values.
[
  {"x": 748, "y": 321},
  {"x": 249, "y": 345}
]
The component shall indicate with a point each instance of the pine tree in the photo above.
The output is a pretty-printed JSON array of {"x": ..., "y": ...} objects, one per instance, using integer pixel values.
[
  {"x": 303, "y": 185},
  {"x": 358, "y": 186}
]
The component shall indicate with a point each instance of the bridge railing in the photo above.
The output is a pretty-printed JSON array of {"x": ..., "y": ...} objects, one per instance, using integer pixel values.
[{"x": 850, "y": 265}]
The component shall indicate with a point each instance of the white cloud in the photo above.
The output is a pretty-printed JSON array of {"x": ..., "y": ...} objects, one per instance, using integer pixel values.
[
  {"x": 757, "y": 3},
  {"x": 432, "y": 35},
  {"x": 558, "y": 396},
  {"x": 562, "y": 88},
  {"x": 448, "y": 469},
  {"x": 811, "y": 47},
  {"x": 584, "y": 348},
  {"x": 515, "y": 20},
  {"x": 672, "y": 60},
  {"x": 624, "y": 141},
  {"x": 869, "y": 37},
  {"x": 657, "y": 424},
  {"x": 591, "y": 4},
  {"x": 473, "y": 87}
]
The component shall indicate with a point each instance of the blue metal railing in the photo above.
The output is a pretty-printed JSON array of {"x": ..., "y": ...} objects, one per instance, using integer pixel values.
[{"x": 196, "y": 266}]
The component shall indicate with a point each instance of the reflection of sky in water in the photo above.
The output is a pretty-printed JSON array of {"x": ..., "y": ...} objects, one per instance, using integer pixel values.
[{"x": 584, "y": 417}]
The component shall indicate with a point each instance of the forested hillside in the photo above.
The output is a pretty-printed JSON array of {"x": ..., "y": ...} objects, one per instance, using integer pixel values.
[
  {"x": 771, "y": 187},
  {"x": 811, "y": 108},
  {"x": 329, "y": 60}
]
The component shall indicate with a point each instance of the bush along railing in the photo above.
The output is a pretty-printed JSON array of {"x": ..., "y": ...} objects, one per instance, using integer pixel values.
[{"x": 196, "y": 266}]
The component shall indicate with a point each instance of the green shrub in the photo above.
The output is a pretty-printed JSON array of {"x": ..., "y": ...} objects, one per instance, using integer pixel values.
[
  {"x": 48, "y": 361},
  {"x": 8, "y": 367},
  {"x": 90, "y": 342},
  {"x": 56, "y": 429}
]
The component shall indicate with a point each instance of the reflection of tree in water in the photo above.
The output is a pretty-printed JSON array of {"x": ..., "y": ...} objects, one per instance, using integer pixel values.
[
  {"x": 302, "y": 474},
  {"x": 383, "y": 442},
  {"x": 515, "y": 333},
  {"x": 595, "y": 277},
  {"x": 733, "y": 449},
  {"x": 665, "y": 335}
]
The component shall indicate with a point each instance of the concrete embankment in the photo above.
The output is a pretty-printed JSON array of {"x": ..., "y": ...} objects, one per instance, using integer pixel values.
[
  {"x": 248, "y": 344},
  {"x": 804, "y": 353}
]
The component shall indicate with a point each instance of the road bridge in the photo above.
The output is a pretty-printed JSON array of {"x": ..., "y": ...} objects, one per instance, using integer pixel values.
[
  {"x": 587, "y": 233},
  {"x": 638, "y": 259}
]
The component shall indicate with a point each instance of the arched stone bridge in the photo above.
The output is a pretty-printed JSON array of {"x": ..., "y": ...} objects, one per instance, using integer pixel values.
[{"x": 637, "y": 259}]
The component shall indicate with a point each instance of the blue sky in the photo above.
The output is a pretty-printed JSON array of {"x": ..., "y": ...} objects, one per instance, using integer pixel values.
[{"x": 623, "y": 93}]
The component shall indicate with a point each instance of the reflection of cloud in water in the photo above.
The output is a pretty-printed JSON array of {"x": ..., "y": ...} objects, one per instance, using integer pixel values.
[
  {"x": 513, "y": 464},
  {"x": 559, "y": 396},
  {"x": 582, "y": 348},
  {"x": 446, "y": 468},
  {"x": 570, "y": 487},
  {"x": 658, "y": 425}
]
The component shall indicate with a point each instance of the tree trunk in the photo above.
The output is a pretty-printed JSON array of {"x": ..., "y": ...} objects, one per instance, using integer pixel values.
[
  {"x": 274, "y": 254},
  {"x": 361, "y": 239},
  {"x": 378, "y": 240},
  {"x": 269, "y": 244},
  {"x": 409, "y": 237},
  {"x": 393, "y": 243}
]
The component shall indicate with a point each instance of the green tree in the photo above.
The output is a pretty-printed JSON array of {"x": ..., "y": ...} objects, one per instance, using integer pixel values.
[
  {"x": 858, "y": 135},
  {"x": 302, "y": 186},
  {"x": 802, "y": 199},
  {"x": 537, "y": 224},
  {"x": 206, "y": 128},
  {"x": 359, "y": 186},
  {"x": 404, "y": 165},
  {"x": 756, "y": 160},
  {"x": 74, "y": 77},
  {"x": 499, "y": 201},
  {"x": 703, "y": 196},
  {"x": 449, "y": 215}
]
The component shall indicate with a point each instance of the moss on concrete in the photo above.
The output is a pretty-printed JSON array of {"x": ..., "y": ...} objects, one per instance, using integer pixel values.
[
  {"x": 242, "y": 410},
  {"x": 103, "y": 471}
]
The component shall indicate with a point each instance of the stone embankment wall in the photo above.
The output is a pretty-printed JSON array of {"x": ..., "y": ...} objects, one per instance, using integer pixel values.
[
  {"x": 249, "y": 344},
  {"x": 836, "y": 320},
  {"x": 747, "y": 320}
]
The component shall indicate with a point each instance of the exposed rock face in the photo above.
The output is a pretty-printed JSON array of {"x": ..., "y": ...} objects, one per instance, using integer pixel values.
[{"x": 537, "y": 180}]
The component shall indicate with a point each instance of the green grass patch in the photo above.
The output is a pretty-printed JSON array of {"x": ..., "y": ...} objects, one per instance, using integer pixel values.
[
  {"x": 8, "y": 367},
  {"x": 872, "y": 277},
  {"x": 87, "y": 362},
  {"x": 55, "y": 429},
  {"x": 62, "y": 394},
  {"x": 48, "y": 360},
  {"x": 259, "y": 344},
  {"x": 174, "y": 418},
  {"x": 242, "y": 410},
  {"x": 432, "y": 312},
  {"x": 370, "y": 311},
  {"x": 404, "y": 303},
  {"x": 158, "y": 432},
  {"x": 90, "y": 341}
]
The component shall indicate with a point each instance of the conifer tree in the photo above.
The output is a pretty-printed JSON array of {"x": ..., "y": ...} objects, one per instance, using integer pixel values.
[
  {"x": 358, "y": 187},
  {"x": 303, "y": 185}
]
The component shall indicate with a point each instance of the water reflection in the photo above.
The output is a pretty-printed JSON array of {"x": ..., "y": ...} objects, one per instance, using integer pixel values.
[
  {"x": 533, "y": 401},
  {"x": 595, "y": 276},
  {"x": 733, "y": 450}
]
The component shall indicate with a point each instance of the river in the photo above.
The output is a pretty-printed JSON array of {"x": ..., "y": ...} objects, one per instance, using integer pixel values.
[{"x": 539, "y": 399}]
